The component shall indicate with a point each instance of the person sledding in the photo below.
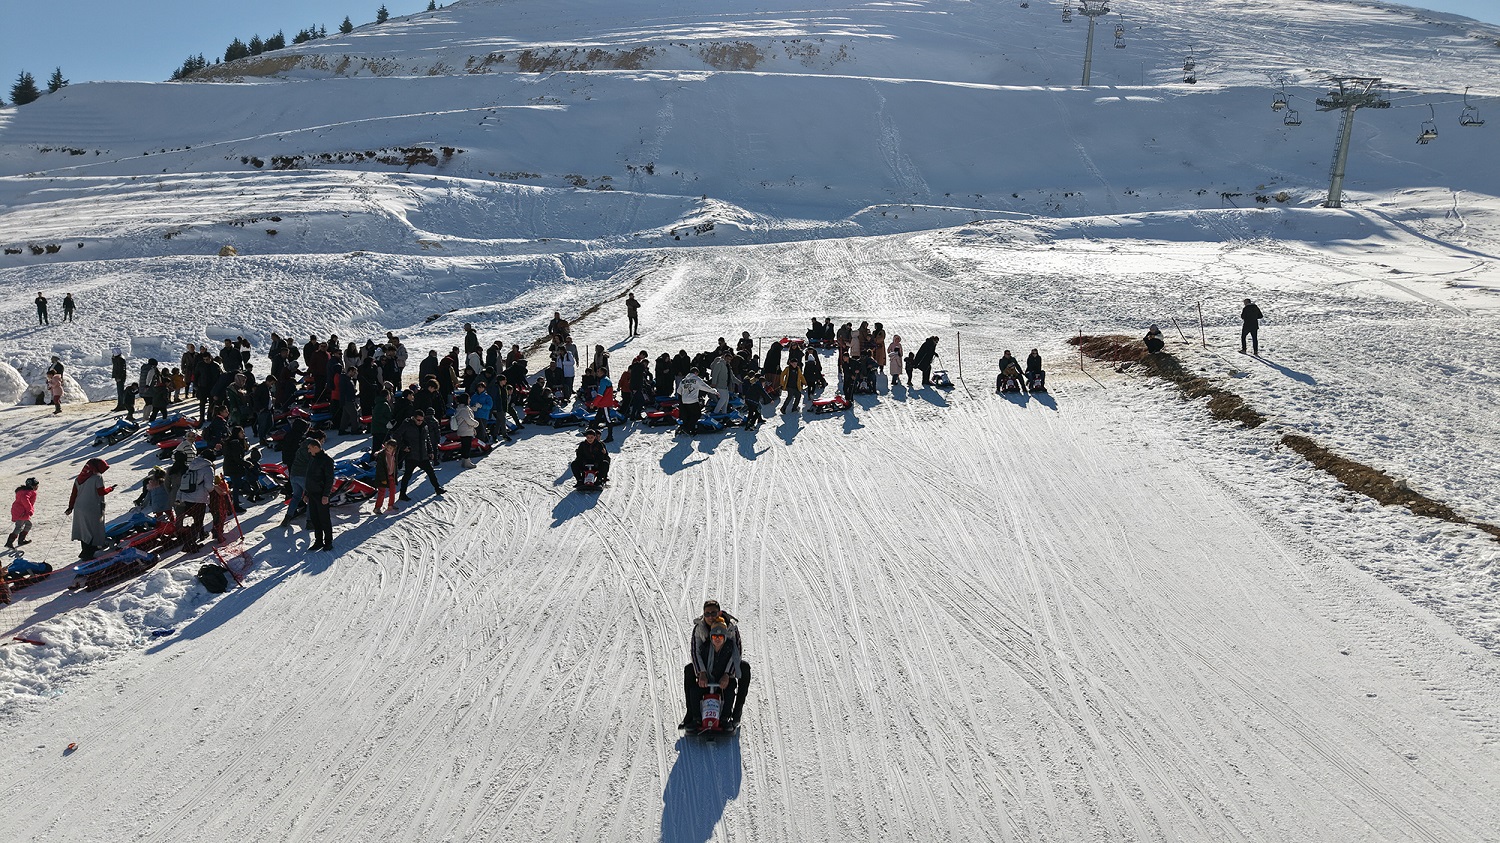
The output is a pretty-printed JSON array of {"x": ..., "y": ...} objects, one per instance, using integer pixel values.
[
  {"x": 717, "y": 665},
  {"x": 591, "y": 459}
]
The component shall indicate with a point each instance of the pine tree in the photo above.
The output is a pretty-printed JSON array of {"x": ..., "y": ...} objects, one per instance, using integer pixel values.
[
  {"x": 191, "y": 65},
  {"x": 236, "y": 50},
  {"x": 57, "y": 82},
  {"x": 257, "y": 46},
  {"x": 302, "y": 37},
  {"x": 25, "y": 90},
  {"x": 276, "y": 42},
  {"x": 432, "y": 5},
  {"x": 322, "y": 32},
  {"x": 347, "y": 26},
  {"x": 382, "y": 15}
]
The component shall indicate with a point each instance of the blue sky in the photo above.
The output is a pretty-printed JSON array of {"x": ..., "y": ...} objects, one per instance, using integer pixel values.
[
  {"x": 95, "y": 40},
  {"x": 145, "y": 41}
]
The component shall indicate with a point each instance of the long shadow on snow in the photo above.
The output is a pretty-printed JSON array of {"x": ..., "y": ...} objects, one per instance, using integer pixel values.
[
  {"x": 236, "y": 600},
  {"x": 675, "y": 459},
  {"x": 745, "y": 439},
  {"x": 572, "y": 502},
  {"x": 791, "y": 425},
  {"x": 284, "y": 556},
  {"x": 704, "y": 779},
  {"x": 1300, "y": 377},
  {"x": 930, "y": 394}
]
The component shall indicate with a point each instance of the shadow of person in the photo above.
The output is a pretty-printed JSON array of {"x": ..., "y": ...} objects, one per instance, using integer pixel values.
[
  {"x": 702, "y": 782},
  {"x": 791, "y": 425},
  {"x": 1045, "y": 399},
  {"x": 572, "y": 502},
  {"x": 1300, "y": 377},
  {"x": 1020, "y": 399},
  {"x": 675, "y": 459}
]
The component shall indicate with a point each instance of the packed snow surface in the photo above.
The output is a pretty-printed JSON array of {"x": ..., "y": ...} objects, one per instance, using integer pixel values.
[{"x": 1091, "y": 614}]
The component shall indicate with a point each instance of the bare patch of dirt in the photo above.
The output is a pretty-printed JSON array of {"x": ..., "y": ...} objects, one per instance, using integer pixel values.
[{"x": 1130, "y": 355}]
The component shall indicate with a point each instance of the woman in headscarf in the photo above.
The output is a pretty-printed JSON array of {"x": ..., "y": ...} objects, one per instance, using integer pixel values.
[{"x": 86, "y": 505}]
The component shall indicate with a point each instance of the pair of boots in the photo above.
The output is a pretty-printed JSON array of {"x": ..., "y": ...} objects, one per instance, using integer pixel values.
[{"x": 18, "y": 537}]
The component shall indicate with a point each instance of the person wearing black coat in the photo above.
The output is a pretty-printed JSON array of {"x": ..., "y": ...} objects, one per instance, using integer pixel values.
[
  {"x": 924, "y": 358},
  {"x": 237, "y": 469},
  {"x": 318, "y": 490},
  {"x": 118, "y": 372},
  {"x": 416, "y": 441},
  {"x": 590, "y": 452},
  {"x": 1250, "y": 317},
  {"x": 207, "y": 377}
]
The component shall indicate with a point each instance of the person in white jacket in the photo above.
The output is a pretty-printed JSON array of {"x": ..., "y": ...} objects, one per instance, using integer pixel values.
[
  {"x": 466, "y": 425},
  {"x": 722, "y": 378},
  {"x": 691, "y": 392}
]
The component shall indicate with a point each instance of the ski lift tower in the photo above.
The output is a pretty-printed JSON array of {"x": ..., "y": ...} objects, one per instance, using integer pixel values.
[
  {"x": 1351, "y": 94},
  {"x": 1093, "y": 10}
]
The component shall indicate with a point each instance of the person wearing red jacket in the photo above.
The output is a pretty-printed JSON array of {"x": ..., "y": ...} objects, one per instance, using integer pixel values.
[{"x": 20, "y": 513}]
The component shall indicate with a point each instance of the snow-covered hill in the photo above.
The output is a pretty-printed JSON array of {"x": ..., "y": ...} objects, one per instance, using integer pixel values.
[{"x": 1092, "y": 615}]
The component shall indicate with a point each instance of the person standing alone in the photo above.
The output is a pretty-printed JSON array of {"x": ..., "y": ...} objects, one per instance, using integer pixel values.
[
  {"x": 1250, "y": 317},
  {"x": 633, "y": 314},
  {"x": 68, "y": 308},
  {"x": 41, "y": 309}
]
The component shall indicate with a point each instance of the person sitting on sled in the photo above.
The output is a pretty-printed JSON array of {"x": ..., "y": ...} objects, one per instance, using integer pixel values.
[
  {"x": 591, "y": 452},
  {"x": 1010, "y": 370},
  {"x": 717, "y": 659}
]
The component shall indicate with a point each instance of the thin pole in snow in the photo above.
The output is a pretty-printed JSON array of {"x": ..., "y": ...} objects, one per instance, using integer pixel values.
[
  {"x": 1202, "y": 330},
  {"x": 960, "y": 355},
  {"x": 1179, "y": 329}
]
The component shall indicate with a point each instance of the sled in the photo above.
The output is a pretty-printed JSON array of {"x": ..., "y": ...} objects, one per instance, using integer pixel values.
[
  {"x": 589, "y": 480},
  {"x": 941, "y": 380},
  {"x": 128, "y": 525},
  {"x": 836, "y": 404},
  {"x": 116, "y": 433},
  {"x": 23, "y": 572},
  {"x": 116, "y": 567},
  {"x": 662, "y": 418},
  {"x": 347, "y": 490}
]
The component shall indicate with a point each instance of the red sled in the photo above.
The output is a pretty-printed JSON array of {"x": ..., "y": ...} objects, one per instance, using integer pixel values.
[
  {"x": 662, "y": 418},
  {"x": 836, "y": 404}
]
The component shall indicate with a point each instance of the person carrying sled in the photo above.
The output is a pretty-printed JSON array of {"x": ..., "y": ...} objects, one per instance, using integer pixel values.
[
  {"x": 590, "y": 452},
  {"x": 1250, "y": 317},
  {"x": 716, "y": 659},
  {"x": 21, "y": 511}
]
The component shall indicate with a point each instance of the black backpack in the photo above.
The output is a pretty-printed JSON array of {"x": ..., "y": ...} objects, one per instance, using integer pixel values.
[{"x": 214, "y": 578}]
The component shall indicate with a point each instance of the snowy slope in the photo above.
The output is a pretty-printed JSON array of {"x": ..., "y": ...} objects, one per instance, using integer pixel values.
[{"x": 1092, "y": 615}]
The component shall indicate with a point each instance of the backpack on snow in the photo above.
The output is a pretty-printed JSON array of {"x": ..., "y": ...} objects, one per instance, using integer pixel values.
[{"x": 214, "y": 578}]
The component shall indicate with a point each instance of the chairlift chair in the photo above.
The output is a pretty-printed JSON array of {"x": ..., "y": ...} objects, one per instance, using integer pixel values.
[
  {"x": 1120, "y": 36},
  {"x": 1278, "y": 102},
  {"x": 1190, "y": 79},
  {"x": 1429, "y": 127},
  {"x": 1291, "y": 118},
  {"x": 1189, "y": 66},
  {"x": 1067, "y": 14},
  {"x": 1470, "y": 114}
]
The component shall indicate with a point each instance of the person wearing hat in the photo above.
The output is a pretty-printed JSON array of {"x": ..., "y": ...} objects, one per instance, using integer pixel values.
[
  {"x": 1154, "y": 341},
  {"x": 591, "y": 452},
  {"x": 21, "y": 511},
  {"x": 86, "y": 505},
  {"x": 717, "y": 659}
]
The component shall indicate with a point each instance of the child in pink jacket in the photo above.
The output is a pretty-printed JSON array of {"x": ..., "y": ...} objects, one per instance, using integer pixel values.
[{"x": 20, "y": 513}]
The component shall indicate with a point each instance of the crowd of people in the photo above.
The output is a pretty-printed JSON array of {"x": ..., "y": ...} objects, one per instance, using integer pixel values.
[{"x": 481, "y": 393}]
